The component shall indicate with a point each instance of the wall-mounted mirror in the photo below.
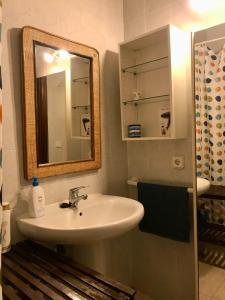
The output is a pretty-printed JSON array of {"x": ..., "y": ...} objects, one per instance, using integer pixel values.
[
  {"x": 209, "y": 57},
  {"x": 61, "y": 105}
]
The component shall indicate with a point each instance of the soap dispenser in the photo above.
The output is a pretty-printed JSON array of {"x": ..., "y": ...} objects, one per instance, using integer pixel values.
[{"x": 37, "y": 203}]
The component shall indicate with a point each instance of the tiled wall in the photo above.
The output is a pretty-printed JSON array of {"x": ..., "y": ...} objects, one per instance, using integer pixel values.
[
  {"x": 166, "y": 259},
  {"x": 169, "y": 262},
  {"x": 98, "y": 23},
  {"x": 162, "y": 268}
]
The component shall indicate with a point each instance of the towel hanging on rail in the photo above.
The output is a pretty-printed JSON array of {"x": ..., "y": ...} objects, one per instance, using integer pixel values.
[{"x": 166, "y": 211}]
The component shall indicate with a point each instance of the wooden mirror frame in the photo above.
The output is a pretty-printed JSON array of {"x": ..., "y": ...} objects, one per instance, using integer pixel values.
[{"x": 31, "y": 166}]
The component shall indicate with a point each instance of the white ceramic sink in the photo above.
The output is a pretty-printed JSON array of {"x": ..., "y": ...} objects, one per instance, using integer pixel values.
[
  {"x": 98, "y": 217},
  {"x": 202, "y": 186}
]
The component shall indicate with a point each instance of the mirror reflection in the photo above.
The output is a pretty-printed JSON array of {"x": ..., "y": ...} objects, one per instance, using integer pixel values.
[{"x": 63, "y": 105}]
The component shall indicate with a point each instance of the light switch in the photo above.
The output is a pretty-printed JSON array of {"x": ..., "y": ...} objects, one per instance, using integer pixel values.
[
  {"x": 178, "y": 162},
  {"x": 58, "y": 144}
]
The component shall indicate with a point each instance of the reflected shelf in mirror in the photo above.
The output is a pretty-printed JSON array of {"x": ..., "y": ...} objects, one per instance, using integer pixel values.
[
  {"x": 147, "y": 66},
  {"x": 84, "y": 80},
  {"x": 153, "y": 99},
  {"x": 81, "y": 106},
  {"x": 81, "y": 137}
]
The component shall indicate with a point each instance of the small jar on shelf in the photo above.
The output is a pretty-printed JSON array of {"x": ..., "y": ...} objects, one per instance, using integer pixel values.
[{"x": 134, "y": 130}]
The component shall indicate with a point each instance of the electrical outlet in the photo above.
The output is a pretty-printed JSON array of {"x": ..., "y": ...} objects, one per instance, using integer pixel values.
[{"x": 178, "y": 162}]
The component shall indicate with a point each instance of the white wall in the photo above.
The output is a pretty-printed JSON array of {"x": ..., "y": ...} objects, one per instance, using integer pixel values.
[
  {"x": 56, "y": 101},
  {"x": 97, "y": 23}
]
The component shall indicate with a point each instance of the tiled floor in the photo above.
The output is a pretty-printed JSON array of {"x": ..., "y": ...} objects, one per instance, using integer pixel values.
[{"x": 211, "y": 282}]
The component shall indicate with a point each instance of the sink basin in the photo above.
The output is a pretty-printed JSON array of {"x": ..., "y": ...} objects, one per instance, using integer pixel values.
[
  {"x": 98, "y": 217},
  {"x": 202, "y": 186}
]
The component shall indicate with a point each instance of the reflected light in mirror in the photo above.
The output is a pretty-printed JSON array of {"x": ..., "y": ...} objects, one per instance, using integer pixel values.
[
  {"x": 62, "y": 54},
  {"x": 48, "y": 57},
  {"x": 204, "y": 6}
]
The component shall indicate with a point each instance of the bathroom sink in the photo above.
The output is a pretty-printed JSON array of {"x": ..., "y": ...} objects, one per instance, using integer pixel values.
[
  {"x": 202, "y": 186},
  {"x": 98, "y": 217}
]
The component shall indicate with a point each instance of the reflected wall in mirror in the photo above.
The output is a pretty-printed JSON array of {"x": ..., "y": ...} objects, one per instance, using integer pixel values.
[
  {"x": 61, "y": 101},
  {"x": 209, "y": 57}
]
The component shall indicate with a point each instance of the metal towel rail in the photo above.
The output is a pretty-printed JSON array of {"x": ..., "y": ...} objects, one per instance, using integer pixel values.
[{"x": 134, "y": 180}]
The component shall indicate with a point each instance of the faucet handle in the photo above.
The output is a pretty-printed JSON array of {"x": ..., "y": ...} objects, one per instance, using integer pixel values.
[{"x": 76, "y": 189}]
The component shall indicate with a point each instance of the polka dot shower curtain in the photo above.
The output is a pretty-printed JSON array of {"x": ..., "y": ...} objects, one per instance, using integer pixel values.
[{"x": 210, "y": 113}]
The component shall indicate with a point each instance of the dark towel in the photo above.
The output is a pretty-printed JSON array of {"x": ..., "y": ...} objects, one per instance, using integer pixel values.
[{"x": 166, "y": 211}]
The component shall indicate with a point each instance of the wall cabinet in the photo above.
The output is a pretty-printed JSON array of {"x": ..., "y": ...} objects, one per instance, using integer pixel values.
[{"x": 153, "y": 84}]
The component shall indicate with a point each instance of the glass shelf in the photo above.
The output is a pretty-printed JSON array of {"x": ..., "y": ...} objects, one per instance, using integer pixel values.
[
  {"x": 153, "y": 99},
  {"x": 147, "y": 66},
  {"x": 81, "y": 106},
  {"x": 84, "y": 80},
  {"x": 148, "y": 138},
  {"x": 78, "y": 137}
]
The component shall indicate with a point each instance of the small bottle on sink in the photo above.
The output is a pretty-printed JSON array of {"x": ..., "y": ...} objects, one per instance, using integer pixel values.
[{"x": 37, "y": 203}]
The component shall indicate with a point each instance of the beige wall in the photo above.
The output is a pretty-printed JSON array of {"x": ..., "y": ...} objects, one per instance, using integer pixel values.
[
  {"x": 144, "y": 15},
  {"x": 98, "y": 23},
  {"x": 171, "y": 272},
  {"x": 162, "y": 268}
]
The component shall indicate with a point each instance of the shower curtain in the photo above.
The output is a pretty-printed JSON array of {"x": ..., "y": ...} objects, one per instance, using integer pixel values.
[{"x": 210, "y": 113}]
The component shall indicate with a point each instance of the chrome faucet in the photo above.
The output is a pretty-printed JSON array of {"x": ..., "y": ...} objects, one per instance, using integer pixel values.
[{"x": 74, "y": 197}]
